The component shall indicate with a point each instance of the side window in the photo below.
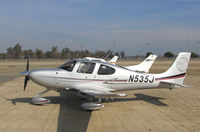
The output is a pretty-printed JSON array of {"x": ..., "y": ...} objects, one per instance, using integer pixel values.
[
  {"x": 69, "y": 66},
  {"x": 86, "y": 67},
  {"x": 105, "y": 70}
]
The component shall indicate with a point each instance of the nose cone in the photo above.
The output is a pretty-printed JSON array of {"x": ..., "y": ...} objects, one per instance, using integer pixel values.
[
  {"x": 35, "y": 74},
  {"x": 44, "y": 77}
]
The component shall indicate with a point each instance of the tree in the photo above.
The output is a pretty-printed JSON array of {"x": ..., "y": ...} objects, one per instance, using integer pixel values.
[
  {"x": 48, "y": 55},
  {"x": 148, "y": 53},
  {"x": 117, "y": 54},
  {"x": 168, "y": 54},
  {"x": 10, "y": 53},
  {"x": 39, "y": 54},
  {"x": 71, "y": 54},
  {"x": 3, "y": 56},
  {"x": 82, "y": 54},
  {"x": 99, "y": 54},
  {"x": 17, "y": 51},
  {"x": 65, "y": 53},
  {"x": 87, "y": 53},
  {"x": 54, "y": 52},
  {"x": 194, "y": 55},
  {"x": 28, "y": 54},
  {"x": 122, "y": 54}
]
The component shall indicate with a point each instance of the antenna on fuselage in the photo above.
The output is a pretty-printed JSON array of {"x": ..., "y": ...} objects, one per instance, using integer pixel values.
[{"x": 107, "y": 54}]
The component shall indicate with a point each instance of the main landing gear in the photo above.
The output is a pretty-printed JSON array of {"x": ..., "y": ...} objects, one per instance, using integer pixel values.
[
  {"x": 92, "y": 105},
  {"x": 87, "y": 106},
  {"x": 39, "y": 100}
]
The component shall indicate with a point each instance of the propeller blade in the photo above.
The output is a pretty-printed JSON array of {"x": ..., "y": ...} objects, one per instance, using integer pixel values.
[
  {"x": 27, "y": 76},
  {"x": 27, "y": 65},
  {"x": 25, "y": 82}
]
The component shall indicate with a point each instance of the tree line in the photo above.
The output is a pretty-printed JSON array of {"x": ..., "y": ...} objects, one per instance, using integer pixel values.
[
  {"x": 16, "y": 52},
  {"x": 169, "y": 54}
]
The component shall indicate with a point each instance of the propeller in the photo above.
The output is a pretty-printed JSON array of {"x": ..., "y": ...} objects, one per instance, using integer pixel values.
[{"x": 27, "y": 76}]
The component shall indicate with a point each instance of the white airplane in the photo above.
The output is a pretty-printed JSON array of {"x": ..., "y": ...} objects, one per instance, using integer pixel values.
[
  {"x": 145, "y": 65},
  {"x": 142, "y": 67},
  {"x": 112, "y": 61},
  {"x": 96, "y": 79}
]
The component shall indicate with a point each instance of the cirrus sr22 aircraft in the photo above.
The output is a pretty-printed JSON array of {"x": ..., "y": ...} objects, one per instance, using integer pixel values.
[
  {"x": 98, "y": 79},
  {"x": 142, "y": 67}
]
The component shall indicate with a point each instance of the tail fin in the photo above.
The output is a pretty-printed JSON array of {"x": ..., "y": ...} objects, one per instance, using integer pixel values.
[
  {"x": 113, "y": 60},
  {"x": 145, "y": 65},
  {"x": 176, "y": 73}
]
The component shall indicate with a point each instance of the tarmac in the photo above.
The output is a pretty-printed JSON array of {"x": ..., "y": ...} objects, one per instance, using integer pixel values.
[{"x": 176, "y": 110}]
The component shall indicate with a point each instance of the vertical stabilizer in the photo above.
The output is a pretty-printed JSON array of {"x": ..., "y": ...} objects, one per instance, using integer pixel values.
[
  {"x": 176, "y": 73},
  {"x": 145, "y": 65},
  {"x": 113, "y": 60}
]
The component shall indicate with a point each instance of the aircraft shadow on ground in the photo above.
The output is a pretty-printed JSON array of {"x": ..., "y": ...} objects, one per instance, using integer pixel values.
[
  {"x": 74, "y": 102},
  {"x": 54, "y": 100},
  {"x": 72, "y": 117},
  {"x": 150, "y": 99}
]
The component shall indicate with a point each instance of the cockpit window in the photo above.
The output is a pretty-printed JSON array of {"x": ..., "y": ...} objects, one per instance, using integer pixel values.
[
  {"x": 105, "y": 70},
  {"x": 68, "y": 66},
  {"x": 86, "y": 67}
]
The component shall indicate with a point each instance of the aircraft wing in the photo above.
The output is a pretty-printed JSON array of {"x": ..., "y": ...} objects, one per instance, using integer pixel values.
[{"x": 96, "y": 91}]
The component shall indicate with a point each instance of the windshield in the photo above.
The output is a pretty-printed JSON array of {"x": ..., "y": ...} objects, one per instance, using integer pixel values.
[{"x": 68, "y": 66}]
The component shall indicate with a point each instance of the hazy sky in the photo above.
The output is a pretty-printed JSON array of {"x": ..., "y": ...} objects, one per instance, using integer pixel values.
[{"x": 135, "y": 26}]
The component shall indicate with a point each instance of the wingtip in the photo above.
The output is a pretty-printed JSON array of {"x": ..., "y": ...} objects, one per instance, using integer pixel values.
[{"x": 187, "y": 86}]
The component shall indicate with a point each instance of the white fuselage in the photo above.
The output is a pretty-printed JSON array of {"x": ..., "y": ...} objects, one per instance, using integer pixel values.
[
  {"x": 121, "y": 79},
  {"x": 97, "y": 79}
]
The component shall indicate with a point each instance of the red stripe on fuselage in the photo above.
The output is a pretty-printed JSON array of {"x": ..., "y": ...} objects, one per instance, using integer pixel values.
[
  {"x": 170, "y": 78},
  {"x": 94, "y": 80}
]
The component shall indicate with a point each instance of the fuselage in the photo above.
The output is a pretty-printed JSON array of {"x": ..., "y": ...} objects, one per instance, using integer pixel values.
[{"x": 93, "y": 72}]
